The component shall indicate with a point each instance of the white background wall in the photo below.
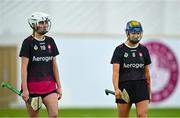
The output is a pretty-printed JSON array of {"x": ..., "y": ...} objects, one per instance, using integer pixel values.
[
  {"x": 159, "y": 17},
  {"x": 86, "y": 71},
  {"x": 86, "y": 32}
]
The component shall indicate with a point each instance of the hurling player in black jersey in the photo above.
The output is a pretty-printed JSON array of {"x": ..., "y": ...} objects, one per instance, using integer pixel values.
[
  {"x": 39, "y": 71},
  {"x": 131, "y": 62}
]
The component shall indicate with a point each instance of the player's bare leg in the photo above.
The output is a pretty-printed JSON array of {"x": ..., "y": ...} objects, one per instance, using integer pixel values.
[
  {"x": 142, "y": 109},
  {"x": 31, "y": 112},
  {"x": 123, "y": 110},
  {"x": 51, "y": 103}
]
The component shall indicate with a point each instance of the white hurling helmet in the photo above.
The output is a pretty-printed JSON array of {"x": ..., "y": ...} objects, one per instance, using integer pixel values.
[{"x": 37, "y": 17}]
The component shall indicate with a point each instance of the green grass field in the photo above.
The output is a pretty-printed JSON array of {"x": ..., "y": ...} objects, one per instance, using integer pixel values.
[{"x": 88, "y": 113}]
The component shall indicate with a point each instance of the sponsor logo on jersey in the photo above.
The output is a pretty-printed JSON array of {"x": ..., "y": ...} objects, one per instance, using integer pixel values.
[
  {"x": 49, "y": 48},
  {"x": 35, "y": 47},
  {"x": 133, "y": 54},
  {"x": 133, "y": 65},
  {"x": 43, "y": 47},
  {"x": 125, "y": 54},
  {"x": 43, "y": 43},
  {"x": 133, "y": 50},
  {"x": 140, "y": 54},
  {"x": 42, "y": 59}
]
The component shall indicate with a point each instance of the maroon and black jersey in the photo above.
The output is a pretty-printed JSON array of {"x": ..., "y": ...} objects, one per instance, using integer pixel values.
[
  {"x": 132, "y": 61},
  {"x": 40, "y": 76}
]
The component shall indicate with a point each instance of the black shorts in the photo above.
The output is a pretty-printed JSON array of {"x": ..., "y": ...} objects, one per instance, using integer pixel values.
[
  {"x": 137, "y": 90},
  {"x": 42, "y": 95}
]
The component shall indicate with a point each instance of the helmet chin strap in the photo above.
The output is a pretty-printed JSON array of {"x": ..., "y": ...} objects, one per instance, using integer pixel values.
[
  {"x": 135, "y": 41},
  {"x": 42, "y": 32}
]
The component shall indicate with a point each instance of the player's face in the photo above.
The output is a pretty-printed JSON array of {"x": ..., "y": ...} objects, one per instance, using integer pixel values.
[
  {"x": 42, "y": 27},
  {"x": 134, "y": 37}
]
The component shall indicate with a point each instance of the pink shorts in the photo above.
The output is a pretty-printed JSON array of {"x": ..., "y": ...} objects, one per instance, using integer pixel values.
[{"x": 41, "y": 87}]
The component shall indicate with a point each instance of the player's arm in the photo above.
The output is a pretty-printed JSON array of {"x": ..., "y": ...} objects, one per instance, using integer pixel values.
[
  {"x": 24, "y": 65},
  {"x": 148, "y": 78},
  {"x": 115, "y": 78},
  {"x": 57, "y": 77}
]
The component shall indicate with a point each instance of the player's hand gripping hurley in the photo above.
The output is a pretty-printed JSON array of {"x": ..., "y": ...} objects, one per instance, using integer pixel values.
[
  {"x": 35, "y": 102},
  {"x": 124, "y": 94}
]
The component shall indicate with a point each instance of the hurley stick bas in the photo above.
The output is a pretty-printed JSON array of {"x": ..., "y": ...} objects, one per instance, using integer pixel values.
[
  {"x": 35, "y": 102},
  {"x": 124, "y": 94}
]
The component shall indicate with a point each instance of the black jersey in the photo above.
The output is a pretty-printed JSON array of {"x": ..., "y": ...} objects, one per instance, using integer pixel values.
[
  {"x": 132, "y": 61},
  {"x": 40, "y": 67}
]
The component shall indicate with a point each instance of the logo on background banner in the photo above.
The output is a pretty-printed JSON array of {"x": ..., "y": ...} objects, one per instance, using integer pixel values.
[{"x": 164, "y": 70}]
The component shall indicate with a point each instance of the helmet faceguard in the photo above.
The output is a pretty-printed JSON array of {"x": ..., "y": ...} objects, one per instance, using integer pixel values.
[
  {"x": 35, "y": 20},
  {"x": 134, "y": 27}
]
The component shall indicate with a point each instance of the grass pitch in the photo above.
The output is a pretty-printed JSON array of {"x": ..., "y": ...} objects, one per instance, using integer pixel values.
[{"x": 89, "y": 113}]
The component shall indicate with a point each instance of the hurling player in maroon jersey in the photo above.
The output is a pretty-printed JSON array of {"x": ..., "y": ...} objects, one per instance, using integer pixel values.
[
  {"x": 39, "y": 70},
  {"x": 131, "y": 62}
]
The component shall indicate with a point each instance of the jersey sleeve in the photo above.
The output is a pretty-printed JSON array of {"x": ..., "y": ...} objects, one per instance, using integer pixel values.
[
  {"x": 116, "y": 58},
  {"x": 147, "y": 57},
  {"x": 55, "y": 49},
  {"x": 25, "y": 49}
]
